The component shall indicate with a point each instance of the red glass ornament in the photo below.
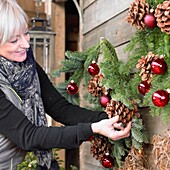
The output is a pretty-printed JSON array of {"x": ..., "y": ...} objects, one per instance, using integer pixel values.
[
  {"x": 144, "y": 87},
  {"x": 160, "y": 98},
  {"x": 150, "y": 21},
  {"x": 72, "y": 88},
  {"x": 107, "y": 161},
  {"x": 90, "y": 138},
  {"x": 159, "y": 66},
  {"x": 104, "y": 100},
  {"x": 93, "y": 69}
]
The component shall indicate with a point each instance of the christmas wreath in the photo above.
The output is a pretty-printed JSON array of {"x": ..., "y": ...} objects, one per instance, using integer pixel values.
[{"x": 122, "y": 88}]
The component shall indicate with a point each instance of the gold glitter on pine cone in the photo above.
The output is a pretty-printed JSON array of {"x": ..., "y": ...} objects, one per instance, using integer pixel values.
[
  {"x": 161, "y": 151},
  {"x": 144, "y": 64},
  {"x": 162, "y": 14},
  {"x": 100, "y": 146},
  {"x": 114, "y": 108},
  {"x": 136, "y": 160},
  {"x": 137, "y": 12},
  {"x": 94, "y": 88}
]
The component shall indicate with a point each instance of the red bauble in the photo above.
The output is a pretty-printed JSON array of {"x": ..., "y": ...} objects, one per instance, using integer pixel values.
[
  {"x": 107, "y": 161},
  {"x": 90, "y": 138},
  {"x": 72, "y": 88},
  {"x": 93, "y": 69},
  {"x": 159, "y": 66},
  {"x": 104, "y": 100},
  {"x": 144, "y": 87},
  {"x": 160, "y": 98},
  {"x": 150, "y": 21}
]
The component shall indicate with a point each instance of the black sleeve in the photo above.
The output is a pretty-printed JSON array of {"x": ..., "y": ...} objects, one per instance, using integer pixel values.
[
  {"x": 15, "y": 126},
  {"x": 60, "y": 109}
]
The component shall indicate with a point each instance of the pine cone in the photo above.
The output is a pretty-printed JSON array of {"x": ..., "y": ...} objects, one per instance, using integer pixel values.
[
  {"x": 144, "y": 64},
  {"x": 136, "y": 13},
  {"x": 94, "y": 88},
  {"x": 162, "y": 14},
  {"x": 99, "y": 147},
  {"x": 118, "y": 108}
]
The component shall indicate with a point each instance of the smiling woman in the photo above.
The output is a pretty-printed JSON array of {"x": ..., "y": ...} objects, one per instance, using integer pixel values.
[
  {"x": 14, "y": 39},
  {"x": 17, "y": 18}
]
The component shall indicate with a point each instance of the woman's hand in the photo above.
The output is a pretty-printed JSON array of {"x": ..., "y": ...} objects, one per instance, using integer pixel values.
[{"x": 107, "y": 127}]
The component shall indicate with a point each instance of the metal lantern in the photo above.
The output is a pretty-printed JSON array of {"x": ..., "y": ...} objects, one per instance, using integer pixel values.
[{"x": 42, "y": 42}]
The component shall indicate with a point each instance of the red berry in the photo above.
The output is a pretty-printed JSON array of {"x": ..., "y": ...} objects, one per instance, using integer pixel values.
[
  {"x": 107, "y": 161},
  {"x": 159, "y": 66},
  {"x": 150, "y": 21},
  {"x": 160, "y": 98},
  {"x": 104, "y": 100},
  {"x": 144, "y": 87},
  {"x": 72, "y": 88},
  {"x": 93, "y": 69}
]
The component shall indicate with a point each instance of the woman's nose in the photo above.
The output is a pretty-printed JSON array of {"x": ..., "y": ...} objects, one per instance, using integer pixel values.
[{"x": 24, "y": 42}]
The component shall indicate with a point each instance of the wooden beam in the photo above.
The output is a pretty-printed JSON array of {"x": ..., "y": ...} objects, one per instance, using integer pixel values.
[
  {"x": 58, "y": 26},
  {"x": 56, "y": 1}
]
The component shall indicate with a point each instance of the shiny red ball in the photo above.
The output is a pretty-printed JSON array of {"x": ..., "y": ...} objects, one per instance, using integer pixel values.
[
  {"x": 107, "y": 161},
  {"x": 93, "y": 69},
  {"x": 72, "y": 88},
  {"x": 160, "y": 98},
  {"x": 150, "y": 21},
  {"x": 144, "y": 87},
  {"x": 159, "y": 66},
  {"x": 90, "y": 138},
  {"x": 104, "y": 100}
]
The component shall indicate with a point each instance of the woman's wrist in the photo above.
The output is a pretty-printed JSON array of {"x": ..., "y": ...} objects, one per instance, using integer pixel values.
[{"x": 95, "y": 128}]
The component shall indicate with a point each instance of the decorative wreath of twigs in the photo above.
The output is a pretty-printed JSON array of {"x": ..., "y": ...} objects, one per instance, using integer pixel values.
[
  {"x": 161, "y": 151},
  {"x": 136, "y": 160}
]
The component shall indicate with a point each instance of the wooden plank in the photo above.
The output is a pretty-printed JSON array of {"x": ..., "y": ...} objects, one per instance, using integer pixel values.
[
  {"x": 87, "y": 161},
  {"x": 87, "y": 3},
  {"x": 30, "y": 6},
  {"x": 100, "y": 12},
  {"x": 116, "y": 30},
  {"x": 58, "y": 26}
]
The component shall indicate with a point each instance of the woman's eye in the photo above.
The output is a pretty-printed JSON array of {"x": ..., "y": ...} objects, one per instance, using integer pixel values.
[
  {"x": 26, "y": 33},
  {"x": 14, "y": 41}
]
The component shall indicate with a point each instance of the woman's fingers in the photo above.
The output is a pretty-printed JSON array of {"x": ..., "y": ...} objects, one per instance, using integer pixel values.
[
  {"x": 122, "y": 133},
  {"x": 118, "y": 126}
]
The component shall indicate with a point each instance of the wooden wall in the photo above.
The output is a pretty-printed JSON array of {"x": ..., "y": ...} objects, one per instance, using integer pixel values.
[{"x": 106, "y": 18}]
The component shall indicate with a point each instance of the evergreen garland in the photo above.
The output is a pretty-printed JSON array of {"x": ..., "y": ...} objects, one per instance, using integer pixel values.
[
  {"x": 122, "y": 80},
  {"x": 114, "y": 79}
]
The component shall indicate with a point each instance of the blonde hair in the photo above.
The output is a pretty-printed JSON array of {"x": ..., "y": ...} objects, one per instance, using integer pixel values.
[{"x": 13, "y": 19}]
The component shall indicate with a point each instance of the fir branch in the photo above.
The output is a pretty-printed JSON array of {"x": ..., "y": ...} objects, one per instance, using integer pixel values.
[
  {"x": 128, "y": 142},
  {"x": 154, "y": 3},
  {"x": 76, "y": 55},
  {"x": 136, "y": 144}
]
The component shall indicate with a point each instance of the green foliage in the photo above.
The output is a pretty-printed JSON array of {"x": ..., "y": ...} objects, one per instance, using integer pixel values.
[
  {"x": 118, "y": 81},
  {"x": 142, "y": 43},
  {"x": 154, "y": 3},
  {"x": 30, "y": 161}
]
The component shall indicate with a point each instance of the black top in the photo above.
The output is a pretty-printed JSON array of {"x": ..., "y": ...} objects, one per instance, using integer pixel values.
[{"x": 15, "y": 125}]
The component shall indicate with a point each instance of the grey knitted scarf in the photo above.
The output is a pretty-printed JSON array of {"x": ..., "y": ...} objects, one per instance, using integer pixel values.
[{"x": 23, "y": 79}]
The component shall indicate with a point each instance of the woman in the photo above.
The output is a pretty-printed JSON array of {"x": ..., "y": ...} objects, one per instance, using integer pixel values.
[{"x": 26, "y": 94}]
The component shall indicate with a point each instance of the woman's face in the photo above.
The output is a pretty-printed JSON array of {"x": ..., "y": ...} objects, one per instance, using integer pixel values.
[{"x": 15, "y": 48}]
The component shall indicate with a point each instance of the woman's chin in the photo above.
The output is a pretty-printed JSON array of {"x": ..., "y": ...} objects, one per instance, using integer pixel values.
[{"x": 21, "y": 58}]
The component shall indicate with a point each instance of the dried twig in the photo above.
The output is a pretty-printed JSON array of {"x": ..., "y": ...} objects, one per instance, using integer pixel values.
[{"x": 161, "y": 151}]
